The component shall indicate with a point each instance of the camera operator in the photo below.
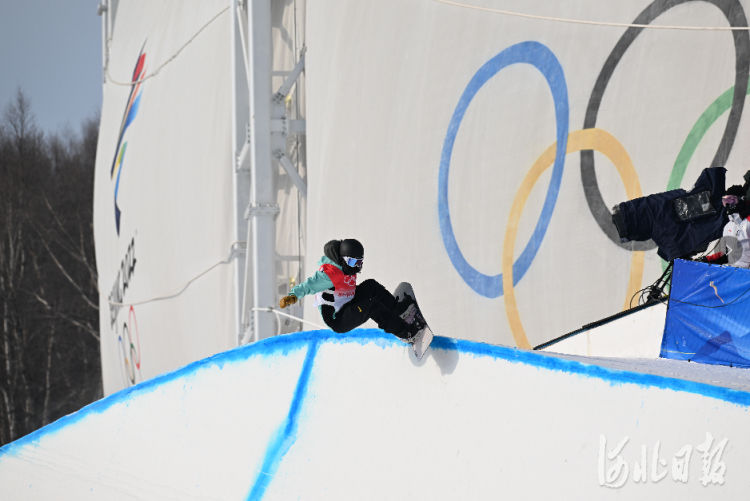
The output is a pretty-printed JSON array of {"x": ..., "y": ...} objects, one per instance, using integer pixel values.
[{"x": 734, "y": 245}]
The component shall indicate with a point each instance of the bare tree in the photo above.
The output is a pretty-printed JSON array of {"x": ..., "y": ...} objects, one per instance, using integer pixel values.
[{"x": 49, "y": 351}]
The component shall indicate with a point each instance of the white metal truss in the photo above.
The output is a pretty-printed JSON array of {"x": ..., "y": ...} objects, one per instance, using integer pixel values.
[{"x": 260, "y": 130}]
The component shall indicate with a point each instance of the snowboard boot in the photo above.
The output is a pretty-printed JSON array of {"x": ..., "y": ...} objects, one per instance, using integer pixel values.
[
  {"x": 410, "y": 314},
  {"x": 416, "y": 325}
]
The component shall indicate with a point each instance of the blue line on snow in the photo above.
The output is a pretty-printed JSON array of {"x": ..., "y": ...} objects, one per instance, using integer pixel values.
[
  {"x": 281, "y": 345},
  {"x": 287, "y": 434}
]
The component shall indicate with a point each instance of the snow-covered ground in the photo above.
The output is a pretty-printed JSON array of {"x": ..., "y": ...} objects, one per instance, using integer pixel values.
[
  {"x": 718, "y": 375},
  {"x": 316, "y": 415}
]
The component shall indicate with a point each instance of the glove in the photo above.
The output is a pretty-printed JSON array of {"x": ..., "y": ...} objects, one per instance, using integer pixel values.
[{"x": 288, "y": 300}]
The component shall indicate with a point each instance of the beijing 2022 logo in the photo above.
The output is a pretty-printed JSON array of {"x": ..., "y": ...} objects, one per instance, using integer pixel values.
[{"x": 131, "y": 110}]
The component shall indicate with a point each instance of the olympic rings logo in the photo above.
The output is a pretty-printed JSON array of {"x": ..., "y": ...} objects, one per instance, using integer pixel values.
[
  {"x": 587, "y": 140},
  {"x": 130, "y": 348}
]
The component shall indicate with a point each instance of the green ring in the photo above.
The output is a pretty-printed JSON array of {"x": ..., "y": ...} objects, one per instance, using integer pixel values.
[
  {"x": 705, "y": 121},
  {"x": 695, "y": 136}
]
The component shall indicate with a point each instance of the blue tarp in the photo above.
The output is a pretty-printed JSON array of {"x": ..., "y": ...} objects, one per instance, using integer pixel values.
[{"x": 708, "y": 318}]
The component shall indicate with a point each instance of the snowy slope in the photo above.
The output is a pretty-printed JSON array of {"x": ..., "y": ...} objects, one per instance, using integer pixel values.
[
  {"x": 717, "y": 375},
  {"x": 316, "y": 415}
]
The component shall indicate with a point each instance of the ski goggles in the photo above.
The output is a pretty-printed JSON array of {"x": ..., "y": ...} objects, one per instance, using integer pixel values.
[{"x": 354, "y": 262}]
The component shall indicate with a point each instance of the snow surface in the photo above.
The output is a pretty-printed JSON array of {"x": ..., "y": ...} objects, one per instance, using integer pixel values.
[
  {"x": 316, "y": 415},
  {"x": 718, "y": 375}
]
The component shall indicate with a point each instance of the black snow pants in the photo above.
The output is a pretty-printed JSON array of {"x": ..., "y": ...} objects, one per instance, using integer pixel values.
[{"x": 371, "y": 301}]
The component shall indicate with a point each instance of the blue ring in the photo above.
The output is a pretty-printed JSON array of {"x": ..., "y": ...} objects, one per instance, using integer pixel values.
[{"x": 542, "y": 58}]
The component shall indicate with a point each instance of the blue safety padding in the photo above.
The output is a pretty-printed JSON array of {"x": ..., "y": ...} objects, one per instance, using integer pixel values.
[{"x": 708, "y": 318}]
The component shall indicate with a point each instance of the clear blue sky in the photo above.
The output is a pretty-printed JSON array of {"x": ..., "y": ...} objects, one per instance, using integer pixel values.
[{"x": 51, "y": 49}]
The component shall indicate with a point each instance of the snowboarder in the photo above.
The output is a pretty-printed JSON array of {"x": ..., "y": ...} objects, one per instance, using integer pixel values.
[{"x": 344, "y": 304}]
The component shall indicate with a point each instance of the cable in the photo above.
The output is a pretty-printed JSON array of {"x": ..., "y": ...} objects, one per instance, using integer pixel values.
[
  {"x": 169, "y": 60},
  {"x": 270, "y": 309},
  {"x": 593, "y": 23},
  {"x": 232, "y": 254},
  {"x": 712, "y": 307},
  {"x": 655, "y": 292}
]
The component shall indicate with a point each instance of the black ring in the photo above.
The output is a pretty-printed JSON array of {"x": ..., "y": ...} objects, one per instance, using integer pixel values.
[{"x": 732, "y": 10}]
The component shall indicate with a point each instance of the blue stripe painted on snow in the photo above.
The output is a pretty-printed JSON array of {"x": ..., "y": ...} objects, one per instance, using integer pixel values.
[
  {"x": 613, "y": 376},
  {"x": 281, "y": 345},
  {"x": 287, "y": 434}
]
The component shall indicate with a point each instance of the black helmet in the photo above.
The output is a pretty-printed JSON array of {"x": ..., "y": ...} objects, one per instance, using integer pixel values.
[
  {"x": 352, "y": 248},
  {"x": 352, "y": 254}
]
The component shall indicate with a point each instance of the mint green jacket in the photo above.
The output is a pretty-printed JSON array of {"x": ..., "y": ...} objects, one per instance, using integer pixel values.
[{"x": 318, "y": 282}]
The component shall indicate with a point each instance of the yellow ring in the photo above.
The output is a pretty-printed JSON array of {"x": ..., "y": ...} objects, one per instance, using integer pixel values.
[{"x": 586, "y": 139}]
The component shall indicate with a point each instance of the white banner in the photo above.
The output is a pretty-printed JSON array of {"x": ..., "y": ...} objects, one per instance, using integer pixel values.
[
  {"x": 477, "y": 154},
  {"x": 164, "y": 209}
]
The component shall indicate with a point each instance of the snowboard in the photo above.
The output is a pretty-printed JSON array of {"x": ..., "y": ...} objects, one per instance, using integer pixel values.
[{"x": 421, "y": 341}]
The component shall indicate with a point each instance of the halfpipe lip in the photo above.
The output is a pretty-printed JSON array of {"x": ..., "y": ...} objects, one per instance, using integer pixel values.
[{"x": 281, "y": 345}]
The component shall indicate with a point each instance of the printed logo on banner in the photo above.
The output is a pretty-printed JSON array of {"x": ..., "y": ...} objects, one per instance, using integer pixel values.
[
  {"x": 126, "y": 332},
  {"x": 589, "y": 139},
  {"x": 131, "y": 110}
]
